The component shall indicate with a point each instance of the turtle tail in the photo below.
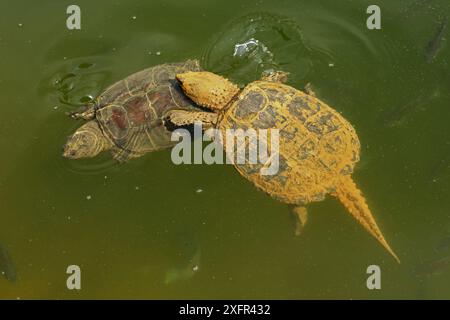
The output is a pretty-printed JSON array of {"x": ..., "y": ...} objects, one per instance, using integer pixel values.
[{"x": 351, "y": 197}]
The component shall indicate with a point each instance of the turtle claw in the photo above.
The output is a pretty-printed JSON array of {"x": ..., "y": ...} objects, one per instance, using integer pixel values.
[
  {"x": 277, "y": 76},
  {"x": 86, "y": 115},
  {"x": 74, "y": 115}
]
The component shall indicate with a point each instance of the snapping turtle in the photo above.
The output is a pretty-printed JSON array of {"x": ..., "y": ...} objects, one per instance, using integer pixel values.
[
  {"x": 128, "y": 117},
  {"x": 317, "y": 148}
]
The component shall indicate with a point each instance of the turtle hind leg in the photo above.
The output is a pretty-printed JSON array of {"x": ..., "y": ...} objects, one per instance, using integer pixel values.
[
  {"x": 301, "y": 218},
  {"x": 88, "y": 113},
  {"x": 351, "y": 197}
]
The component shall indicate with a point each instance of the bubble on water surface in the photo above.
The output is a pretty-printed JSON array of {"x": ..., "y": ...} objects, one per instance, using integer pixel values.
[{"x": 86, "y": 99}]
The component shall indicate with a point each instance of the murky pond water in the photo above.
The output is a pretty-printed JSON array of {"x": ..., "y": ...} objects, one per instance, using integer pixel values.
[{"x": 151, "y": 229}]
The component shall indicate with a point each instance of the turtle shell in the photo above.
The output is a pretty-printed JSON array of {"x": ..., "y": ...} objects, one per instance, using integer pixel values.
[
  {"x": 131, "y": 112},
  {"x": 316, "y": 144}
]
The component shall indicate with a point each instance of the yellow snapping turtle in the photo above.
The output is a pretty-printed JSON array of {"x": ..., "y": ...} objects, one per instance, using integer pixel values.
[{"x": 318, "y": 148}]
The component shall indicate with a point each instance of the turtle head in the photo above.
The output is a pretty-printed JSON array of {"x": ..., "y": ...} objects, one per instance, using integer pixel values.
[
  {"x": 207, "y": 89},
  {"x": 86, "y": 142}
]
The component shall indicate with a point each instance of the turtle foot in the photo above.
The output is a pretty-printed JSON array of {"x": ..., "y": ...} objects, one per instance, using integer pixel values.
[
  {"x": 301, "y": 218},
  {"x": 86, "y": 115},
  {"x": 275, "y": 76}
]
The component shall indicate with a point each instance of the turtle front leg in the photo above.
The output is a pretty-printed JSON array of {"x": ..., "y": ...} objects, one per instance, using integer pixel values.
[
  {"x": 275, "y": 76},
  {"x": 301, "y": 218},
  {"x": 183, "y": 117},
  {"x": 86, "y": 114}
]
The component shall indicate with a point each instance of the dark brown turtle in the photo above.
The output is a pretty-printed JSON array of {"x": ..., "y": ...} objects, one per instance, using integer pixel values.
[{"x": 128, "y": 118}]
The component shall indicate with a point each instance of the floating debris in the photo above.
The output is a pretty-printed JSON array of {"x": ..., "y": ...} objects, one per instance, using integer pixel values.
[
  {"x": 20, "y": 24},
  {"x": 134, "y": 17},
  {"x": 88, "y": 197},
  {"x": 136, "y": 188},
  {"x": 158, "y": 53},
  {"x": 242, "y": 48},
  {"x": 199, "y": 190}
]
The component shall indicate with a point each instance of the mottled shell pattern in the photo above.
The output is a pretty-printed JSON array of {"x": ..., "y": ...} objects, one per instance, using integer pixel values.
[
  {"x": 131, "y": 111},
  {"x": 316, "y": 144}
]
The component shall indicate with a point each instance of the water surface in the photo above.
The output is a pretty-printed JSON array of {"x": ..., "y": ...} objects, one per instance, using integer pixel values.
[{"x": 122, "y": 223}]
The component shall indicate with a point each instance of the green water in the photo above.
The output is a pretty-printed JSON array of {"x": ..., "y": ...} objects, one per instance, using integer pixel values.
[{"x": 145, "y": 219}]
